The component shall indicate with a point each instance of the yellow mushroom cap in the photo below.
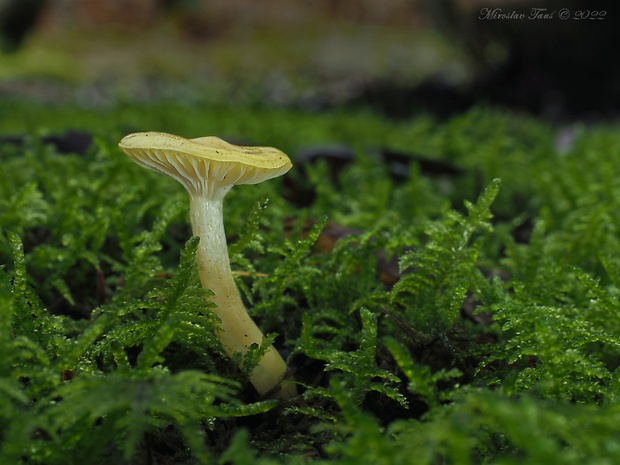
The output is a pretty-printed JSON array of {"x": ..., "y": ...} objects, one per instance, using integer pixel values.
[{"x": 204, "y": 164}]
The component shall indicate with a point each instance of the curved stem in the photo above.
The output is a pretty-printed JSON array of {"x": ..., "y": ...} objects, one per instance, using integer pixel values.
[{"x": 238, "y": 330}]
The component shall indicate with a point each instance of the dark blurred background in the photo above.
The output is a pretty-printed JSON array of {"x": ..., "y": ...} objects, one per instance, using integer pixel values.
[{"x": 399, "y": 57}]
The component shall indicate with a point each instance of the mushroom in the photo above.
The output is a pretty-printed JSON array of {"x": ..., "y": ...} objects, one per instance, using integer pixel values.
[{"x": 208, "y": 167}]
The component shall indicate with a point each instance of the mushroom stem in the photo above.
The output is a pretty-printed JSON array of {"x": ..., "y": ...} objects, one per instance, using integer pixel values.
[{"x": 239, "y": 331}]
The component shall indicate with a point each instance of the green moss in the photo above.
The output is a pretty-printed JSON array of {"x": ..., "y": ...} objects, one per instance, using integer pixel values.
[{"x": 497, "y": 342}]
